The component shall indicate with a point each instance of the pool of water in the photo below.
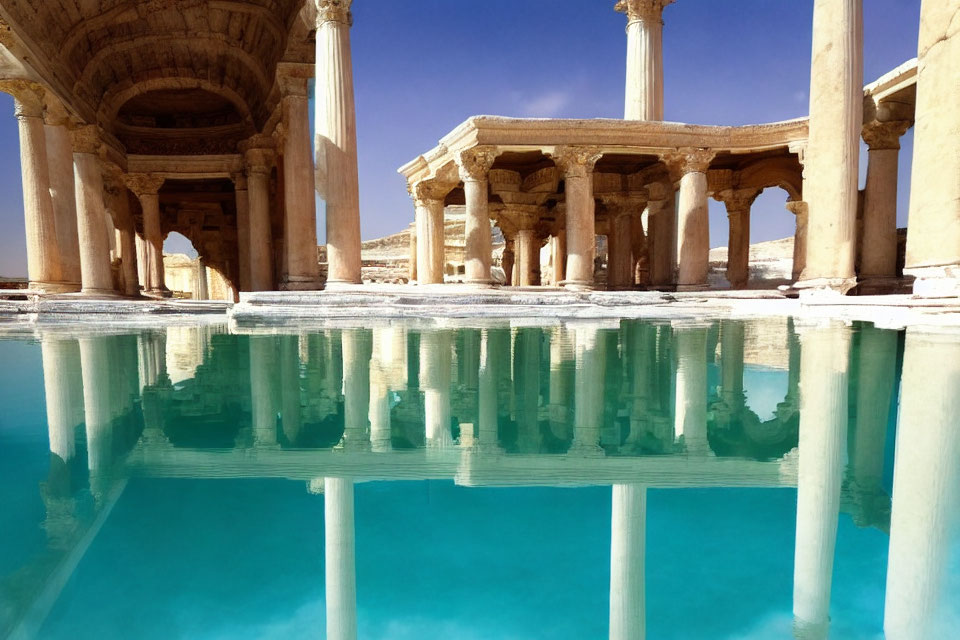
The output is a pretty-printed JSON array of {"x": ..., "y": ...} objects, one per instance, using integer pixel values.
[{"x": 732, "y": 479}]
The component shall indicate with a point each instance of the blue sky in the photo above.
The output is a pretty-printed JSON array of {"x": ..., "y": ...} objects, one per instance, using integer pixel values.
[{"x": 423, "y": 66}]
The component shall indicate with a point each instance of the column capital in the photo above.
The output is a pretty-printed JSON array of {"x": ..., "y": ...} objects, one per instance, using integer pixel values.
[
  {"x": 334, "y": 11},
  {"x": 29, "y": 97},
  {"x": 428, "y": 191},
  {"x": 576, "y": 161},
  {"x": 239, "y": 179},
  {"x": 642, "y": 10},
  {"x": 293, "y": 78},
  {"x": 475, "y": 163},
  {"x": 144, "y": 184},
  {"x": 689, "y": 160},
  {"x": 618, "y": 205},
  {"x": 86, "y": 139},
  {"x": 258, "y": 160},
  {"x": 884, "y": 135},
  {"x": 737, "y": 201}
]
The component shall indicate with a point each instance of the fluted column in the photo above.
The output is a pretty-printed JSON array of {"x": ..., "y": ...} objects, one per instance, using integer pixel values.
[
  {"x": 435, "y": 382},
  {"x": 832, "y": 156},
  {"x": 693, "y": 224},
  {"x": 147, "y": 189},
  {"x": 690, "y": 415},
  {"x": 474, "y": 165},
  {"x": 738, "y": 203},
  {"x": 428, "y": 203},
  {"x": 242, "y": 197},
  {"x": 357, "y": 349},
  {"x": 661, "y": 223},
  {"x": 300, "y": 214},
  {"x": 933, "y": 233},
  {"x": 628, "y": 546},
  {"x": 258, "y": 163},
  {"x": 644, "y": 87},
  {"x": 62, "y": 193},
  {"x": 825, "y": 352},
  {"x": 337, "y": 181},
  {"x": 340, "y": 559},
  {"x": 577, "y": 165},
  {"x": 878, "y": 244},
  {"x": 44, "y": 268},
  {"x": 91, "y": 215},
  {"x": 924, "y": 517}
]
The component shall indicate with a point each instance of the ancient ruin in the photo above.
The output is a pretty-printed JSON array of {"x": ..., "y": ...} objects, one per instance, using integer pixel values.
[{"x": 138, "y": 119}]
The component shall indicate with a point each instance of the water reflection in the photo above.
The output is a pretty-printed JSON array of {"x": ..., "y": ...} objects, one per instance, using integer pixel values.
[{"x": 633, "y": 405}]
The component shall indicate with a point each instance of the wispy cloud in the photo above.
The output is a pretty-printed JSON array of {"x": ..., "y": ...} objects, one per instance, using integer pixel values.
[{"x": 547, "y": 105}]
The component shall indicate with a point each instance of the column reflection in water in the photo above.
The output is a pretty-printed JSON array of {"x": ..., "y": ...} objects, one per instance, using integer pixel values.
[
  {"x": 825, "y": 352},
  {"x": 357, "y": 347},
  {"x": 628, "y": 547},
  {"x": 589, "y": 388},
  {"x": 492, "y": 345},
  {"x": 690, "y": 418},
  {"x": 97, "y": 408},
  {"x": 388, "y": 372},
  {"x": 340, "y": 559},
  {"x": 926, "y": 489},
  {"x": 561, "y": 382},
  {"x": 291, "y": 418},
  {"x": 435, "y": 347},
  {"x": 263, "y": 389},
  {"x": 526, "y": 379}
]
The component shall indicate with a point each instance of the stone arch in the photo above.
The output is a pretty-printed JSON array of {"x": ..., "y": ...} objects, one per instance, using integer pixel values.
[
  {"x": 785, "y": 172},
  {"x": 119, "y": 95}
]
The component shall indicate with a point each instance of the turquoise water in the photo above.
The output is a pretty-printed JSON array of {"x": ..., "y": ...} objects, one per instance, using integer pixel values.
[{"x": 622, "y": 480}]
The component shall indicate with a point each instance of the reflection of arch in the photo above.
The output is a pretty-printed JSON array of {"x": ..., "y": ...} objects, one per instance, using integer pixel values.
[{"x": 114, "y": 99}]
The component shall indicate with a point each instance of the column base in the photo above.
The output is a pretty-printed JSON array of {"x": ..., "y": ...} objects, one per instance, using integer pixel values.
[
  {"x": 311, "y": 284},
  {"x": 101, "y": 293},
  {"x": 935, "y": 282},
  {"x": 54, "y": 287},
  {"x": 158, "y": 293},
  {"x": 692, "y": 287},
  {"x": 577, "y": 285},
  {"x": 335, "y": 285},
  {"x": 881, "y": 285},
  {"x": 818, "y": 286},
  {"x": 486, "y": 283}
]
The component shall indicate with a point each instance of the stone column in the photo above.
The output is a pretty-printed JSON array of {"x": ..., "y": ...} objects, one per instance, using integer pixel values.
[
  {"x": 62, "y": 194},
  {"x": 340, "y": 559},
  {"x": 435, "y": 382},
  {"x": 577, "y": 164},
  {"x": 258, "y": 162},
  {"x": 118, "y": 205},
  {"x": 558, "y": 251},
  {"x": 933, "y": 234},
  {"x": 243, "y": 227},
  {"x": 690, "y": 414},
  {"x": 336, "y": 144},
  {"x": 43, "y": 258},
  {"x": 428, "y": 202},
  {"x": 628, "y": 546},
  {"x": 147, "y": 188},
  {"x": 926, "y": 482},
  {"x": 357, "y": 349},
  {"x": 640, "y": 267},
  {"x": 509, "y": 260},
  {"x": 799, "y": 209},
  {"x": 661, "y": 222},
  {"x": 412, "y": 268},
  {"x": 878, "y": 244},
  {"x": 832, "y": 155},
  {"x": 825, "y": 351},
  {"x": 693, "y": 223},
  {"x": 474, "y": 165},
  {"x": 644, "y": 90},
  {"x": 620, "y": 240},
  {"x": 91, "y": 215},
  {"x": 738, "y": 203},
  {"x": 528, "y": 258},
  {"x": 300, "y": 219}
]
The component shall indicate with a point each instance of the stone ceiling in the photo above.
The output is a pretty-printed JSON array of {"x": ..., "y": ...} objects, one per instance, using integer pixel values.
[{"x": 152, "y": 61}]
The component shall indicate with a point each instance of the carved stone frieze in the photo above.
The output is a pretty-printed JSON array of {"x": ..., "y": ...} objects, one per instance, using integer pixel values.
[{"x": 884, "y": 135}]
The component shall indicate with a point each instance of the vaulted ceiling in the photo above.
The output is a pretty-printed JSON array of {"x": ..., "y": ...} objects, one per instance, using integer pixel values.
[{"x": 162, "y": 65}]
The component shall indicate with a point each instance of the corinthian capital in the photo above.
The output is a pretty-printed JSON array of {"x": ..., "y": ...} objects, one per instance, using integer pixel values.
[
  {"x": 428, "y": 190},
  {"x": 144, "y": 184},
  {"x": 689, "y": 160},
  {"x": 475, "y": 163},
  {"x": 334, "y": 11},
  {"x": 642, "y": 10},
  {"x": 884, "y": 135},
  {"x": 28, "y": 96},
  {"x": 576, "y": 161}
]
